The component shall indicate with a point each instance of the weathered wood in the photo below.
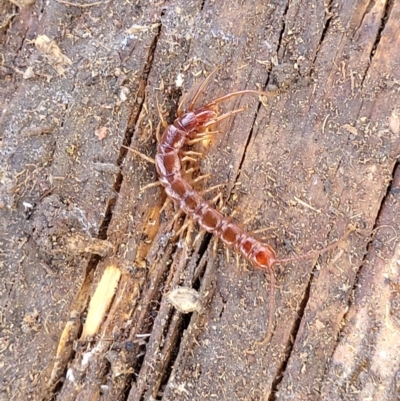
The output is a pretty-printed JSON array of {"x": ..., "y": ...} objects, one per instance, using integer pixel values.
[{"x": 319, "y": 156}]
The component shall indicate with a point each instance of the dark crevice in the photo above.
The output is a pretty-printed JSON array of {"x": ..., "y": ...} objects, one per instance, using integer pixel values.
[
  {"x": 187, "y": 318},
  {"x": 367, "y": 10},
  {"x": 385, "y": 17},
  {"x": 129, "y": 135},
  {"x": 289, "y": 346},
  {"x": 32, "y": 15},
  {"x": 204, "y": 246},
  {"x": 323, "y": 34},
  {"x": 388, "y": 190},
  {"x": 6, "y": 26},
  {"x": 326, "y": 25},
  {"x": 202, "y": 250},
  {"x": 184, "y": 319},
  {"x": 282, "y": 31}
]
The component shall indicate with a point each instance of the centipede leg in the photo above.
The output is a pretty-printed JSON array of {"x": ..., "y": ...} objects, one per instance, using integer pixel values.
[
  {"x": 245, "y": 269},
  {"x": 198, "y": 236},
  {"x": 192, "y": 153},
  {"x": 191, "y": 170},
  {"x": 216, "y": 199},
  {"x": 189, "y": 231},
  {"x": 185, "y": 225},
  {"x": 237, "y": 263},
  {"x": 176, "y": 216},
  {"x": 198, "y": 139},
  {"x": 188, "y": 159},
  {"x": 227, "y": 255},
  {"x": 213, "y": 188},
  {"x": 161, "y": 115},
  {"x": 215, "y": 247},
  {"x": 151, "y": 185},
  {"x": 206, "y": 133},
  {"x": 142, "y": 155},
  {"x": 263, "y": 230},
  {"x": 203, "y": 134},
  {"x": 200, "y": 177}
]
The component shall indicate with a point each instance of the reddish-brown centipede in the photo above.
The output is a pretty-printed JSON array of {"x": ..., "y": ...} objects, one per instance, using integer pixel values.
[{"x": 168, "y": 164}]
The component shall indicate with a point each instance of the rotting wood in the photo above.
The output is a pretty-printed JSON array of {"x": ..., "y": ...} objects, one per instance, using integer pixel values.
[{"x": 336, "y": 68}]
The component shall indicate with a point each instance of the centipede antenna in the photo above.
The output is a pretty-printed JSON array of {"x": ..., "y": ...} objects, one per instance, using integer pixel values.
[
  {"x": 223, "y": 116},
  {"x": 201, "y": 88},
  {"x": 317, "y": 252},
  {"x": 237, "y": 93}
]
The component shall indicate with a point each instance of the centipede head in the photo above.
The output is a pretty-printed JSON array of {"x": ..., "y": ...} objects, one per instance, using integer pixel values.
[{"x": 193, "y": 121}]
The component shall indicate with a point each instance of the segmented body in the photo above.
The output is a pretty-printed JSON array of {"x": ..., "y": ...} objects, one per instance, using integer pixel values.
[
  {"x": 169, "y": 168},
  {"x": 168, "y": 164}
]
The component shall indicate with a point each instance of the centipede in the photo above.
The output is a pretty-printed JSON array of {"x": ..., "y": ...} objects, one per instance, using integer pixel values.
[{"x": 188, "y": 126}]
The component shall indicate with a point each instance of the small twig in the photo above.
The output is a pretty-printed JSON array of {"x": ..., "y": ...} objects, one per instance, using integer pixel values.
[{"x": 306, "y": 205}]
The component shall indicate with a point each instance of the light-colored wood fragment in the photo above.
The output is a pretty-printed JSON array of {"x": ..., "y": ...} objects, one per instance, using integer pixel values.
[{"x": 101, "y": 301}]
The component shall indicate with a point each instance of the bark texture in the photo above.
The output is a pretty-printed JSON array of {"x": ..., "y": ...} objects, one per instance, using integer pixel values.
[{"x": 88, "y": 258}]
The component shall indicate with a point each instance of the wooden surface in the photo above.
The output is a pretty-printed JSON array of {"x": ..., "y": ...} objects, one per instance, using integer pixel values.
[{"x": 88, "y": 259}]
